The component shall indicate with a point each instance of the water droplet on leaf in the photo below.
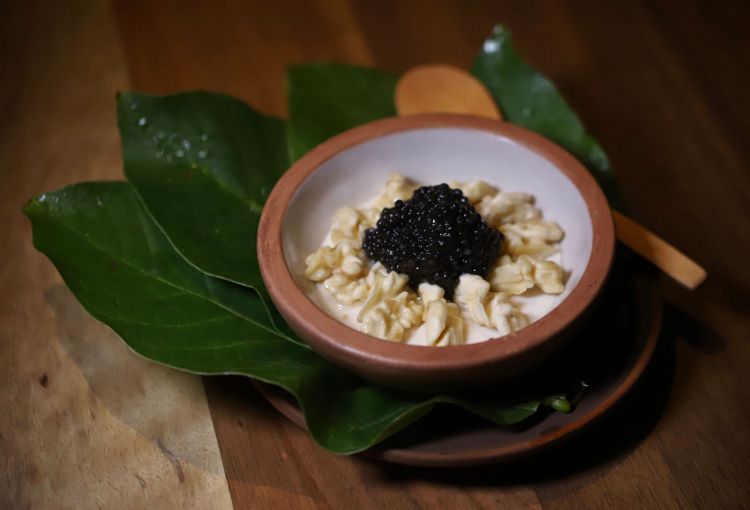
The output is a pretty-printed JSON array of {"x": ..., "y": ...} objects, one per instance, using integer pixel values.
[{"x": 491, "y": 46}]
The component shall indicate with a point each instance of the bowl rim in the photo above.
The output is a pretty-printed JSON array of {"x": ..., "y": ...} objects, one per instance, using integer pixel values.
[{"x": 339, "y": 342}]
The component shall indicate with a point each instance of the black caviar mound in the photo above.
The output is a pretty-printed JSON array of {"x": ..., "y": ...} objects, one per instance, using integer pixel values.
[{"x": 435, "y": 236}]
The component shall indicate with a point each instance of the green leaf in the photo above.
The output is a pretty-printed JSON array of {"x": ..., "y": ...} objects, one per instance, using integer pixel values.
[
  {"x": 127, "y": 274},
  {"x": 527, "y": 98},
  {"x": 122, "y": 268},
  {"x": 559, "y": 403},
  {"x": 204, "y": 164},
  {"x": 325, "y": 99}
]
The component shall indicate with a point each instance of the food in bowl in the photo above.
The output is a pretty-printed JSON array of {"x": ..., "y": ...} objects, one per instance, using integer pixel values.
[
  {"x": 437, "y": 265},
  {"x": 349, "y": 169}
]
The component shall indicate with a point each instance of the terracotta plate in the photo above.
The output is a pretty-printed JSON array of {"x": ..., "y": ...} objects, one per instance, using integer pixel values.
[{"x": 610, "y": 354}]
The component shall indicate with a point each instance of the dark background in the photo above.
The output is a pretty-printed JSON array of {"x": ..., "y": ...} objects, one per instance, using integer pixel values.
[{"x": 663, "y": 85}]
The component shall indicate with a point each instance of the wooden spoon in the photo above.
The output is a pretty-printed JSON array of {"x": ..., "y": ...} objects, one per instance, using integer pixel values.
[{"x": 446, "y": 89}]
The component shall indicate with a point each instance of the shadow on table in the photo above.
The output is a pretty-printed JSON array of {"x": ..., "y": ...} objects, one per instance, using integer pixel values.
[
  {"x": 608, "y": 440},
  {"x": 591, "y": 453},
  {"x": 688, "y": 329}
]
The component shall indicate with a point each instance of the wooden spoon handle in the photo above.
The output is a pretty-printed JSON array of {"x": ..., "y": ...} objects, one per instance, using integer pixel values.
[
  {"x": 447, "y": 89},
  {"x": 659, "y": 252}
]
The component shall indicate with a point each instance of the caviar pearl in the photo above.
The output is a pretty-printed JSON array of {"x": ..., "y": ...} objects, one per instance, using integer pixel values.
[{"x": 435, "y": 237}]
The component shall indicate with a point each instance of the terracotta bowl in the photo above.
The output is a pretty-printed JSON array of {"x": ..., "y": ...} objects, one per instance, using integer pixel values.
[{"x": 351, "y": 168}]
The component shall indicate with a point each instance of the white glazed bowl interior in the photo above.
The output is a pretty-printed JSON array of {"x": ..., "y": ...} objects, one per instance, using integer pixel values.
[{"x": 432, "y": 156}]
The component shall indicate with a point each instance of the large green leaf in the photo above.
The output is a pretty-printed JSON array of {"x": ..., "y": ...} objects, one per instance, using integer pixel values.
[
  {"x": 527, "y": 98},
  {"x": 127, "y": 274},
  {"x": 203, "y": 164},
  {"x": 325, "y": 99}
]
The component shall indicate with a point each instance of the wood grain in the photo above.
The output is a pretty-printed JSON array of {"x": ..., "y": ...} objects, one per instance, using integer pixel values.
[
  {"x": 85, "y": 423},
  {"x": 663, "y": 86}
]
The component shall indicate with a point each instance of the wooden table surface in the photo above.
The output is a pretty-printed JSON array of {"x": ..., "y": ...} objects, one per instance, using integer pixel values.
[{"x": 663, "y": 84}]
